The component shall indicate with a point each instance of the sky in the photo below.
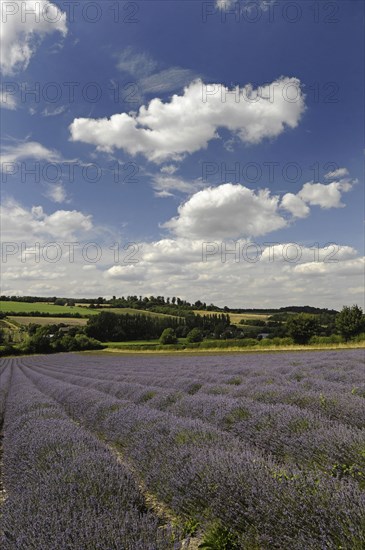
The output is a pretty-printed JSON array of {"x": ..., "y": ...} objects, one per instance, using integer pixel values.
[{"x": 208, "y": 150}]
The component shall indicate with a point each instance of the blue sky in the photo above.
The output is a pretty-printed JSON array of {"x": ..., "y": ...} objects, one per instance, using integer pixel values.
[{"x": 196, "y": 163}]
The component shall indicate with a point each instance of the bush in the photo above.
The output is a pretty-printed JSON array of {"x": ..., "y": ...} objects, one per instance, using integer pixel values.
[
  {"x": 333, "y": 339},
  {"x": 168, "y": 336},
  {"x": 195, "y": 335}
]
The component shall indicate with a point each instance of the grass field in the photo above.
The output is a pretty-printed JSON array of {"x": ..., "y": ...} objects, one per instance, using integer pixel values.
[{"x": 43, "y": 307}]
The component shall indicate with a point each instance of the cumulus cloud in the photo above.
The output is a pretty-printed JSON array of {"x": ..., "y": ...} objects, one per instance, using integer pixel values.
[
  {"x": 186, "y": 124},
  {"x": 324, "y": 195},
  {"x": 279, "y": 275},
  {"x": 345, "y": 269},
  {"x": 282, "y": 270},
  {"x": 24, "y": 23},
  {"x": 20, "y": 223},
  {"x": 295, "y": 205},
  {"x": 31, "y": 273},
  {"x": 124, "y": 273},
  {"x": 227, "y": 211}
]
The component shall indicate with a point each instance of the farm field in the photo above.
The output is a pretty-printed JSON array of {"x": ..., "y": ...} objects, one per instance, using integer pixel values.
[
  {"x": 10, "y": 307},
  {"x": 71, "y": 321},
  {"x": 42, "y": 307},
  {"x": 232, "y": 452}
]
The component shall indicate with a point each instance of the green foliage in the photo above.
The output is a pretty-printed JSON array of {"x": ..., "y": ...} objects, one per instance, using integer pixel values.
[
  {"x": 219, "y": 537},
  {"x": 190, "y": 527},
  {"x": 333, "y": 339},
  {"x": 168, "y": 336},
  {"x": 49, "y": 339},
  {"x": 236, "y": 416},
  {"x": 195, "y": 335},
  {"x": 111, "y": 327},
  {"x": 350, "y": 321},
  {"x": 302, "y": 327},
  {"x": 194, "y": 388}
]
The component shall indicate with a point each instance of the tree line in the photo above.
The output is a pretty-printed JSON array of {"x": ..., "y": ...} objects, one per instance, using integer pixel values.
[{"x": 111, "y": 327}]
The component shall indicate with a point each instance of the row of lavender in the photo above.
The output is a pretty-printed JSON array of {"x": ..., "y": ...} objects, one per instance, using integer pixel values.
[
  {"x": 331, "y": 384},
  {"x": 65, "y": 489},
  {"x": 343, "y": 367},
  {"x": 206, "y": 474},
  {"x": 288, "y": 432}
]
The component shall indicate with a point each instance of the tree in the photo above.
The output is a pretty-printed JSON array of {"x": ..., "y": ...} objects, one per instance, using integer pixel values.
[
  {"x": 195, "y": 335},
  {"x": 302, "y": 327},
  {"x": 168, "y": 336},
  {"x": 350, "y": 321},
  {"x": 40, "y": 342},
  {"x": 60, "y": 302}
]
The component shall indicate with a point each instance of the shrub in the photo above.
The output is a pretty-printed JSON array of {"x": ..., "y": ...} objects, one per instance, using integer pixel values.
[
  {"x": 195, "y": 335},
  {"x": 168, "y": 336}
]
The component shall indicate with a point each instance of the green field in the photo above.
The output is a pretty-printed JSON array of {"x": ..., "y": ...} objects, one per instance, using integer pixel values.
[
  {"x": 43, "y": 307},
  {"x": 51, "y": 309}
]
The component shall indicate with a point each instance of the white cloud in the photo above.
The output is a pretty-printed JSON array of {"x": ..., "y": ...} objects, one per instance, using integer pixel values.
[
  {"x": 139, "y": 64},
  {"x": 150, "y": 79},
  {"x": 21, "y": 31},
  {"x": 54, "y": 112},
  {"x": 345, "y": 269},
  {"x": 169, "y": 169},
  {"x": 56, "y": 193},
  {"x": 28, "y": 274},
  {"x": 124, "y": 273},
  {"x": 272, "y": 281},
  {"x": 325, "y": 195},
  {"x": 295, "y": 205},
  {"x": 7, "y": 100},
  {"x": 164, "y": 185},
  {"x": 163, "y": 131},
  {"x": 247, "y": 5},
  {"x": 166, "y": 80},
  {"x": 227, "y": 211},
  {"x": 28, "y": 150},
  {"x": 339, "y": 173},
  {"x": 20, "y": 223}
]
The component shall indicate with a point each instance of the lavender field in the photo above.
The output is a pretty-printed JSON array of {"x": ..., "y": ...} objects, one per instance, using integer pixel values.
[{"x": 254, "y": 451}]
